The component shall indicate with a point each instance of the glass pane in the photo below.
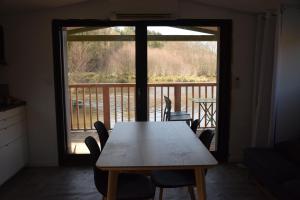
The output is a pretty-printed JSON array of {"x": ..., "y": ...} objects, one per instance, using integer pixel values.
[
  {"x": 116, "y": 30},
  {"x": 169, "y": 30},
  {"x": 101, "y": 80},
  {"x": 182, "y": 64}
]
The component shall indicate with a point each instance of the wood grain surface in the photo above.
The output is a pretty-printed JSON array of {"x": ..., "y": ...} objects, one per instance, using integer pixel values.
[{"x": 154, "y": 145}]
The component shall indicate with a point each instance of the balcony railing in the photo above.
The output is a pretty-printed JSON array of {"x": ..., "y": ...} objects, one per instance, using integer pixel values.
[{"x": 114, "y": 102}]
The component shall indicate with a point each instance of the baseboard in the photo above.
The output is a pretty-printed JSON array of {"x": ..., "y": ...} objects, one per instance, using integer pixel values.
[
  {"x": 42, "y": 164},
  {"x": 235, "y": 158}
]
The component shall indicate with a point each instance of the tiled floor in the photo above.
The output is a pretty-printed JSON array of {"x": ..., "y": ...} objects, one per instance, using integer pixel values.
[{"x": 225, "y": 182}]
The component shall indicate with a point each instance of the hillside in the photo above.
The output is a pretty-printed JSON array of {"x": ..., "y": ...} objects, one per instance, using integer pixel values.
[{"x": 114, "y": 61}]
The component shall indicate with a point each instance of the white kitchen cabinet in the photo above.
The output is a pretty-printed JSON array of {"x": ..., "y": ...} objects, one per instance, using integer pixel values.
[{"x": 13, "y": 142}]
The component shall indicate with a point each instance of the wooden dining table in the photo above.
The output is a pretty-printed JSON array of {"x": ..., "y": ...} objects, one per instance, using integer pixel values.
[{"x": 140, "y": 146}]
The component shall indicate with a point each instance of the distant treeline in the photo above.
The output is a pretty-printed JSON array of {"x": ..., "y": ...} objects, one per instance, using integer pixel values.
[{"x": 114, "y": 61}]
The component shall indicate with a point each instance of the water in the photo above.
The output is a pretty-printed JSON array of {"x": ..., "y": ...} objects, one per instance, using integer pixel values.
[{"x": 124, "y": 111}]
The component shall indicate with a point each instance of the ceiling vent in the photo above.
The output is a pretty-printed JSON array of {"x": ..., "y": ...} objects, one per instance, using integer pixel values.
[
  {"x": 143, "y": 10},
  {"x": 142, "y": 16}
]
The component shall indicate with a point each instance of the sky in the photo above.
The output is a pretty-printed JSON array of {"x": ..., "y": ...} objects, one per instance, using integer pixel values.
[{"x": 167, "y": 30}]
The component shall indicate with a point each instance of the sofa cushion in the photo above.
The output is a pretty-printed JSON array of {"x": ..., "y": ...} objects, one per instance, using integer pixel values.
[
  {"x": 269, "y": 165},
  {"x": 290, "y": 149},
  {"x": 289, "y": 190}
]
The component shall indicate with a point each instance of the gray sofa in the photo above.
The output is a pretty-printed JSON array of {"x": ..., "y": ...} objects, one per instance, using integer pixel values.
[{"x": 277, "y": 169}]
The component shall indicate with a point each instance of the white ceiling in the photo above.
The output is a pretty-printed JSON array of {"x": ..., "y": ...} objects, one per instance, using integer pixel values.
[
  {"x": 16, "y": 6},
  {"x": 249, "y": 5}
]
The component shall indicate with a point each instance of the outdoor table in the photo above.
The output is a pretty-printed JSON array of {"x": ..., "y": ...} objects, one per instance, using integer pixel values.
[{"x": 206, "y": 104}]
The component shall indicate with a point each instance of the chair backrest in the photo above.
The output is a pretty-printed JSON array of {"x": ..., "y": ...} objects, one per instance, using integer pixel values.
[
  {"x": 206, "y": 137},
  {"x": 195, "y": 125},
  {"x": 167, "y": 110},
  {"x": 102, "y": 133},
  {"x": 100, "y": 176}
]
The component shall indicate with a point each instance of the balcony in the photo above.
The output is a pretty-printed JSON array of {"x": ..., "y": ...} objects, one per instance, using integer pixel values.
[{"x": 115, "y": 102}]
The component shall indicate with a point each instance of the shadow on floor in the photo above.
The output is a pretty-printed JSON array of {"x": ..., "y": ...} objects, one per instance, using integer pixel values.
[{"x": 224, "y": 182}]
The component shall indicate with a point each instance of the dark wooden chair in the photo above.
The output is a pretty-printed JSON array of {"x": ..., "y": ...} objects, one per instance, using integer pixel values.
[
  {"x": 174, "y": 116},
  {"x": 130, "y": 186},
  {"x": 195, "y": 125},
  {"x": 102, "y": 133},
  {"x": 180, "y": 178},
  {"x": 206, "y": 137}
]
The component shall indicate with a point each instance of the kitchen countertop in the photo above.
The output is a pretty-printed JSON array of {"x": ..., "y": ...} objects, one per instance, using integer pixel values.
[{"x": 13, "y": 104}]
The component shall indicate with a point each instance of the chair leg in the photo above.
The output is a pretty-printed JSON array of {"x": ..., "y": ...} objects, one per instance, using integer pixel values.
[
  {"x": 191, "y": 191},
  {"x": 161, "y": 193}
]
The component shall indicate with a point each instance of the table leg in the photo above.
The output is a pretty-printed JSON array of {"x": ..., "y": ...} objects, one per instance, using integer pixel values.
[
  {"x": 200, "y": 183},
  {"x": 112, "y": 185}
]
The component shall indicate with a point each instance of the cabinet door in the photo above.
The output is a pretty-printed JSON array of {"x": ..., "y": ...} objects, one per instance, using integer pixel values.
[
  {"x": 12, "y": 158},
  {"x": 12, "y": 132},
  {"x": 11, "y": 120},
  {"x": 12, "y": 112}
]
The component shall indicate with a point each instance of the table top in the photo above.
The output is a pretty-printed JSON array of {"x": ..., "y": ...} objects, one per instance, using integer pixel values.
[
  {"x": 153, "y": 145},
  {"x": 203, "y": 100}
]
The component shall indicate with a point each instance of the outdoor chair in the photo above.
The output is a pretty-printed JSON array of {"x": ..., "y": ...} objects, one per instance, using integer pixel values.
[
  {"x": 195, "y": 125},
  {"x": 174, "y": 116},
  {"x": 206, "y": 137},
  {"x": 130, "y": 186}
]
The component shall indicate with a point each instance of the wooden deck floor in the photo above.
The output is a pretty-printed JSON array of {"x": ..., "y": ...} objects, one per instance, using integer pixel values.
[{"x": 77, "y": 145}]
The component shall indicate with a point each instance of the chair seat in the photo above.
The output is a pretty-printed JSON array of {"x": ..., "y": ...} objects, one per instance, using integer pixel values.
[
  {"x": 134, "y": 187},
  {"x": 130, "y": 186},
  {"x": 179, "y": 113},
  {"x": 185, "y": 117},
  {"x": 173, "y": 178}
]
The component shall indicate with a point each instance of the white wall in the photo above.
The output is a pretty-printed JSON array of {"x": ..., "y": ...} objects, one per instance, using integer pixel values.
[
  {"x": 288, "y": 75},
  {"x": 30, "y": 70}
]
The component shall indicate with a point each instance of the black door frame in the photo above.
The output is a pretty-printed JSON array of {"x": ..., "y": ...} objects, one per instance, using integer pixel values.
[{"x": 224, "y": 77}]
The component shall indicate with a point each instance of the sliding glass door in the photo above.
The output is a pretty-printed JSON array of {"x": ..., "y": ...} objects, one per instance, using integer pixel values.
[
  {"x": 119, "y": 71},
  {"x": 182, "y": 65},
  {"x": 100, "y": 80}
]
